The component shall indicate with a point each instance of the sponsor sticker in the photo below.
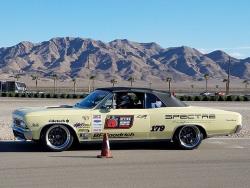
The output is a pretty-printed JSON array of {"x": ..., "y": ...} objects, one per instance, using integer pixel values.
[
  {"x": 85, "y": 118},
  {"x": 119, "y": 122},
  {"x": 141, "y": 116},
  {"x": 190, "y": 116},
  {"x": 83, "y": 130},
  {"x": 35, "y": 125},
  {"x": 97, "y": 123},
  {"x": 58, "y": 121},
  {"x": 84, "y": 135},
  {"x": 81, "y": 125}
]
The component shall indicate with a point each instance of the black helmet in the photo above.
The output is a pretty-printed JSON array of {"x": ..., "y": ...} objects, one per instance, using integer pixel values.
[{"x": 124, "y": 101}]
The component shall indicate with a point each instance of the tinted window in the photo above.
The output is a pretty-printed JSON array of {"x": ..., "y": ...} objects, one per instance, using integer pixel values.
[
  {"x": 153, "y": 102},
  {"x": 131, "y": 100}
]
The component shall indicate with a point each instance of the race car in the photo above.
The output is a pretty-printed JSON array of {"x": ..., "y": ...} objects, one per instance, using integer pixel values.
[{"x": 125, "y": 114}]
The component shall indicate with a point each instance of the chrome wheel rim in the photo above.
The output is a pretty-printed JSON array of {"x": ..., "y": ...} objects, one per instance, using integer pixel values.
[
  {"x": 58, "y": 137},
  {"x": 189, "y": 136}
]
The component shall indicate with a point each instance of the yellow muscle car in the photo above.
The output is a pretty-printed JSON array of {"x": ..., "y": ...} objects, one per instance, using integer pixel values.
[{"x": 125, "y": 114}]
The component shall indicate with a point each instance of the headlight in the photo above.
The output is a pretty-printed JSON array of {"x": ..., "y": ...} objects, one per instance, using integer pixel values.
[{"x": 20, "y": 123}]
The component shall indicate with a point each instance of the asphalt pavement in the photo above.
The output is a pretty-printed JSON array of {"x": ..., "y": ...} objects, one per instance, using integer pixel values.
[{"x": 216, "y": 163}]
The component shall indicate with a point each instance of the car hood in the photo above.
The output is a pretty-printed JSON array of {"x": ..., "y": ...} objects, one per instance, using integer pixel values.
[{"x": 63, "y": 109}]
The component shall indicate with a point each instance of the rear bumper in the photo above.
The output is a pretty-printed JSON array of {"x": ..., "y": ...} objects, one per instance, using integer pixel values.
[{"x": 22, "y": 134}]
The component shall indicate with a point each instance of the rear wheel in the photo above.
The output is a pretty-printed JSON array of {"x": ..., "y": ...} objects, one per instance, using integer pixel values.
[
  {"x": 188, "y": 137},
  {"x": 57, "y": 138}
]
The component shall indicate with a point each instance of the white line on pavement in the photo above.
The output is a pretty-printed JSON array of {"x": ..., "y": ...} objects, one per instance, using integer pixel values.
[{"x": 228, "y": 138}]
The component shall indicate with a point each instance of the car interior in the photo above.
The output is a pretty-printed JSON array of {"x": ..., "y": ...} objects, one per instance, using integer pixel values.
[{"x": 133, "y": 100}]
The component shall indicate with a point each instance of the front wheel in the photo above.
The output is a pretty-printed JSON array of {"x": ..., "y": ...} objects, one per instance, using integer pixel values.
[
  {"x": 57, "y": 138},
  {"x": 188, "y": 137}
]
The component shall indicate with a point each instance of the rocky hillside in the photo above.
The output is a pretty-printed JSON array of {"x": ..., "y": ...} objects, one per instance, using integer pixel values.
[{"x": 77, "y": 57}]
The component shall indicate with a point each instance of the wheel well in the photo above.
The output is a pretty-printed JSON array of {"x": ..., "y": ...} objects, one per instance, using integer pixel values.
[
  {"x": 202, "y": 130},
  {"x": 72, "y": 131}
]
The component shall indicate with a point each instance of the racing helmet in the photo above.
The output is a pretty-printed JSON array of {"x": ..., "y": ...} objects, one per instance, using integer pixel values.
[{"x": 123, "y": 101}]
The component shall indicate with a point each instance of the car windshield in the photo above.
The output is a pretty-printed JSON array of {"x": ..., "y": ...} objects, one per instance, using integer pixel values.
[{"x": 92, "y": 99}]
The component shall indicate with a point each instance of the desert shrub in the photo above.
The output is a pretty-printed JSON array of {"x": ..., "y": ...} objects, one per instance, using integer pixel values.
[
  {"x": 245, "y": 98},
  {"x": 197, "y": 98},
  {"x": 42, "y": 95},
  {"x": 35, "y": 95},
  {"x": 221, "y": 98},
  {"x": 48, "y": 95},
  {"x": 212, "y": 98},
  {"x": 178, "y": 97},
  {"x": 68, "y": 96},
  {"x": 181, "y": 98},
  {"x": 62, "y": 96},
  {"x": 4, "y": 94},
  {"x": 55, "y": 96},
  {"x": 205, "y": 98},
  {"x": 16, "y": 95},
  {"x": 11, "y": 94},
  {"x": 79, "y": 96},
  {"x": 239, "y": 98},
  {"x": 230, "y": 98},
  {"x": 82, "y": 96}
]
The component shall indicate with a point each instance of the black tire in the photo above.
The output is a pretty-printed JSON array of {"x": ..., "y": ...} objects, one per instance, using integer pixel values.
[
  {"x": 188, "y": 137},
  {"x": 57, "y": 138}
]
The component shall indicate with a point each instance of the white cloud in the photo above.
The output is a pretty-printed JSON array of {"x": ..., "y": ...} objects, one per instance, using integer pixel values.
[
  {"x": 237, "y": 48},
  {"x": 236, "y": 55},
  {"x": 202, "y": 50},
  {"x": 237, "y": 52}
]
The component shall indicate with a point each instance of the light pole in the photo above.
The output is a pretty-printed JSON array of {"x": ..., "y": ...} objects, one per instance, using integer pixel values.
[
  {"x": 169, "y": 83},
  {"x": 150, "y": 85},
  {"x": 206, "y": 76},
  {"x": 228, "y": 76}
]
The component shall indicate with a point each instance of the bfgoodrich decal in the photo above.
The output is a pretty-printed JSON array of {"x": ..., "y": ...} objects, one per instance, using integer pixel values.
[{"x": 114, "y": 135}]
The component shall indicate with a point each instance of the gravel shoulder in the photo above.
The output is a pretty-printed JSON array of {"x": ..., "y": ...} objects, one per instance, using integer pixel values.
[{"x": 8, "y": 105}]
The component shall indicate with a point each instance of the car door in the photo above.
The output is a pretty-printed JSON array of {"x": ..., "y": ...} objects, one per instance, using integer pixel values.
[
  {"x": 120, "y": 123},
  {"x": 157, "y": 110}
]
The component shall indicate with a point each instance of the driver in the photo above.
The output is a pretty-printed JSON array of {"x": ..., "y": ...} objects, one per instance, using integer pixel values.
[{"x": 124, "y": 101}]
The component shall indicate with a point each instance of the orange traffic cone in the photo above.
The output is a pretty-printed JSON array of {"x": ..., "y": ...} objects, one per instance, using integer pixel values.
[{"x": 106, "y": 153}]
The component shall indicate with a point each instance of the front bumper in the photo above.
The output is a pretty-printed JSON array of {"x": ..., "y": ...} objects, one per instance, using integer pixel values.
[
  {"x": 238, "y": 128},
  {"x": 22, "y": 134}
]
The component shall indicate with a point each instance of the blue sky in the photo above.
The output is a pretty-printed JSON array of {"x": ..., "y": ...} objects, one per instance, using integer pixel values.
[{"x": 203, "y": 24}]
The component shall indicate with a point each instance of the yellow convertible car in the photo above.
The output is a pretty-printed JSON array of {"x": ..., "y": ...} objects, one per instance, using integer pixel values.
[{"x": 125, "y": 114}]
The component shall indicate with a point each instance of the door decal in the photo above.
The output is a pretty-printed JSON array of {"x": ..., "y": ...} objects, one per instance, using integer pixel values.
[{"x": 119, "y": 122}]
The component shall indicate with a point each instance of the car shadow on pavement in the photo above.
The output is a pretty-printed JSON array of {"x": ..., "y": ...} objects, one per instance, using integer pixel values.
[
  {"x": 128, "y": 145},
  {"x": 20, "y": 146}
]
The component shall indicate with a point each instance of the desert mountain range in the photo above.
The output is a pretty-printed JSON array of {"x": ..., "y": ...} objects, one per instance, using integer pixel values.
[{"x": 78, "y": 57}]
